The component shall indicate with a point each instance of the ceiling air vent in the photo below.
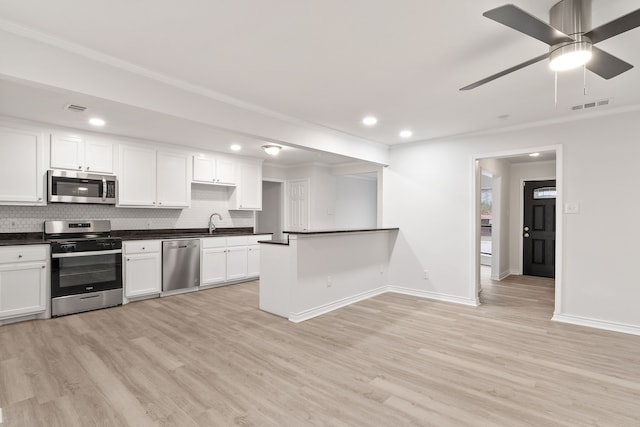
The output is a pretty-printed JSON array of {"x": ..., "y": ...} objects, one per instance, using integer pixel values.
[
  {"x": 591, "y": 105},
  {"x": 75, "y": 107}
]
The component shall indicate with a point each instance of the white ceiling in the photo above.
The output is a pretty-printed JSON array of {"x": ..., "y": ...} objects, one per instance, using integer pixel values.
[{"x": 332, "y": 62}]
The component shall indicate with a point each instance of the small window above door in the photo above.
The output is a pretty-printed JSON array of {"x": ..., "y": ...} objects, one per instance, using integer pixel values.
[{"x": 544, "y": 193}]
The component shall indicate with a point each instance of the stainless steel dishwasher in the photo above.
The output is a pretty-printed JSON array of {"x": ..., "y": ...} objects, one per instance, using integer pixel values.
[{"x": 180, "y": 264}]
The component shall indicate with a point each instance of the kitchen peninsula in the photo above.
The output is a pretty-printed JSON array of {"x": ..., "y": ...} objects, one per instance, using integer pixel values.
[{"x": 314, "y": 272}]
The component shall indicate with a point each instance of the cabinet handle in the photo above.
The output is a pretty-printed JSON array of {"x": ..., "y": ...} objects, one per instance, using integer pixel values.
[
  {"x": 39, "y": 199},
  {"x": 159, "y": 203},
  {"x": 87, "y": 167},
  {"x": 19, "y": 256},
  {"x": 128, "y": 259},
  {"x": 80, "y": 167},
  {"x": 44, "y": 266},
  {"x": 143, "y": 249}
]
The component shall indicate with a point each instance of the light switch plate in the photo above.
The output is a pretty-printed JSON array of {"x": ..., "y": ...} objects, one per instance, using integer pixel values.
[{"x": 571, "y": 208}]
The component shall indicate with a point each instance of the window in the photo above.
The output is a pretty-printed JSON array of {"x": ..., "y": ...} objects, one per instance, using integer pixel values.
[{"x": 544, "y": 193}]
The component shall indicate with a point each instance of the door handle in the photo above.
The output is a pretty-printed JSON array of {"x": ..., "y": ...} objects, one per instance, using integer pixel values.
[
  {"x": 526, "y": 229},
  {"x": 526, "y": 234}
]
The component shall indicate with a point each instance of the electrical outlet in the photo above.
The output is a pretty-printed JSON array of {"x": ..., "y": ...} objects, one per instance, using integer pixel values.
[
  {"x": 426, "y": 275},
  {"x": 329, "y": 281}
]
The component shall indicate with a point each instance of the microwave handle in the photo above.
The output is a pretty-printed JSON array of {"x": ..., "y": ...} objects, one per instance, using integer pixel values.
[{"x": 104, "y": 188}]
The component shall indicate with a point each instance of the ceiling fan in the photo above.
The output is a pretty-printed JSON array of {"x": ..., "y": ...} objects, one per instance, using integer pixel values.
[{"x": 569, "y": 36}]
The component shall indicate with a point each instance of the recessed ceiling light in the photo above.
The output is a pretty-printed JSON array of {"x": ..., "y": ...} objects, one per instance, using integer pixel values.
[
  {"x": 370, "y": 121},
  {"x": 236, "y": 147},
  {"x": 96, "y": 121},
  {"x": 406, "y": 133},
  {"x": 534, "y": 154}
]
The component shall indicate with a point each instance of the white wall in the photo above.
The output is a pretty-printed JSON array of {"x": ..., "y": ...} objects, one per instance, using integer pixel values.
[
  {"x": 521, "y": 172},
  {"x": 500, "y": 170},
  {"x": 356, "y": 201},
  {"x": 428, "y": 193}
]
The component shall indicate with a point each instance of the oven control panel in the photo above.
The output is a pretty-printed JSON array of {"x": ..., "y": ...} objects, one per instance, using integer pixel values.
[{"x": 85, "y": 245}]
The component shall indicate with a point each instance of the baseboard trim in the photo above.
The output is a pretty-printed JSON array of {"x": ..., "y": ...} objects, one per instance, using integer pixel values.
[
  {"x": 434, "y": 296},
  {"x": 502, "y": 276},
  {"x": 598, "y": 324},
  {"x": 326, "y": 308}
]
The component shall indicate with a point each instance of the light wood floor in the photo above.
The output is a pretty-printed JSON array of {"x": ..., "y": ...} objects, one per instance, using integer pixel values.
[{"x": 211, "y": 358}]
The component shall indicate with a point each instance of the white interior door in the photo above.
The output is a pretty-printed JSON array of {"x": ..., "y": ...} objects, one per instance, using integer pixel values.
[{"x": 297, "y": 205}]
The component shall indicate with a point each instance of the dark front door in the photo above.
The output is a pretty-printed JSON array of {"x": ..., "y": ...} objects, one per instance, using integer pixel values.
[{"x": 539, "y": 233}]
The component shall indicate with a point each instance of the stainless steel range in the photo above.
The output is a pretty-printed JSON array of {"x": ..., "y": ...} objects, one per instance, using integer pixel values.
[{"x": 86, "y": 266}]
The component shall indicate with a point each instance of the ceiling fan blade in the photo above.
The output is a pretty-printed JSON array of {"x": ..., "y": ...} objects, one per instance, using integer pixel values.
[
  {"x": 519, "y": 20},
  {"x": 606, "y": 65},
  {"x": 615, "y": 27},
  {"x": 507, "y": 71}
]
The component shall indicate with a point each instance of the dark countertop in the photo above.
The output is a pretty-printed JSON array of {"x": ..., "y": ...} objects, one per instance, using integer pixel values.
[
  {"x": 183, "y": 233},
  {"x": 11, "y": 239},
  {"x": 355, "y": 230},
  {"x": 275, "y": 242}
]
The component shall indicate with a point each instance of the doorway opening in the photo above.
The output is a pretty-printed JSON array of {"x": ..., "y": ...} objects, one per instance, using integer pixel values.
[
  {"x": 508, "y": 172},
  {"x": 271, "y": 218}
]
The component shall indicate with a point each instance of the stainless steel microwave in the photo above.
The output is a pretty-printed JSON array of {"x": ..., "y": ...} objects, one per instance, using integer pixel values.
[{"x": 77, "y": 187}]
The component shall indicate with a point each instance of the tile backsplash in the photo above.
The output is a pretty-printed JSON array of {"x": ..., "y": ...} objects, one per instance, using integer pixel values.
[{"x": 205, "y": 199}]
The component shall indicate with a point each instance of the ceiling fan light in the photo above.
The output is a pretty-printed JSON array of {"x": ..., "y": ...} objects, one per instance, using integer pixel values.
[{"x": 571, "y": 56}]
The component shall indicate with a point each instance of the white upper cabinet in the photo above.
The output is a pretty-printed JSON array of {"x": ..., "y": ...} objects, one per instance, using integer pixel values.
[
  {"x": 66, "y": 152},
  {"x": 21, "y": 167},
  {"x": 98, "y": 156},
  {"x": 214, "y": 170},
  {"x": 137, "y": 177},
  {"x": 86, "y": 155},
  {"x": 248, "y": 192},
  {"x": 173, "y": 189},
  {"x": 150, "y": 178}
]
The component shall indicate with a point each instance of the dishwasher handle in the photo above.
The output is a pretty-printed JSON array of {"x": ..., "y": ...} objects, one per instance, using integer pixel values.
[{"x": 181, "y": 244}]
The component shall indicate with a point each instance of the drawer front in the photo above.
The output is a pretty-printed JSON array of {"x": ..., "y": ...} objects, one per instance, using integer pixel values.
[
  {"x": 237, "y": 241},
  {"x": 213, "y": 242},
  {"x": 253, "y": 240},
  {"x": 24, "y": 253},
  {"x": 142, "y": 246}
]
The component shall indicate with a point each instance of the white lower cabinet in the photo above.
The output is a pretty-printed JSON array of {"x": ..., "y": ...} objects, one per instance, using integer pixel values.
[
  {"x": 142, "y": 268},
  {"x": 236, "y": 262},
  {"x": 23, "y": 280},
  {"x": 253, "y": 260},
  {"x": 213, "y": 266},
  {"x": 230, "y": 259}
]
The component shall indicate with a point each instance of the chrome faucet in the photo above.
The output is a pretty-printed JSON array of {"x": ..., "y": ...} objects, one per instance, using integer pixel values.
[{"x": 212, "y": 226}]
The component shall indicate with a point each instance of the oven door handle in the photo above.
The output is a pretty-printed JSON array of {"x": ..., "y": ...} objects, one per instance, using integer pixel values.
[{"x": 93, "y": 253}]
